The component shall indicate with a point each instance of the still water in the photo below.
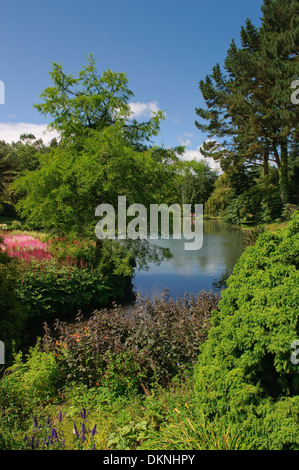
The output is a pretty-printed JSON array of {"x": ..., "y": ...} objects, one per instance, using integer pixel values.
[{"x": 192, "y": 271}]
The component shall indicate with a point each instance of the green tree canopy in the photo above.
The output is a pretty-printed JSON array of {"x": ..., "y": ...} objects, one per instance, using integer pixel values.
[{"x": 93, "y": 101}]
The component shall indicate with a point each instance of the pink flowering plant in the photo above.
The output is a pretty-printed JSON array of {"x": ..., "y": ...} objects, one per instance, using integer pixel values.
[{"x": 25, "y": 247}]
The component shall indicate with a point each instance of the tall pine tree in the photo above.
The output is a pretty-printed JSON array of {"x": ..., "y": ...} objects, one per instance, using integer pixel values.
[{"x": 250, "y": 115}]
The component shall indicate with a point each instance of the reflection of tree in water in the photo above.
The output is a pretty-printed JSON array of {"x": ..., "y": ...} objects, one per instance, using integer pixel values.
[
  {"x": 212, "y": 264},
  {"x": 219, "y": 284},
  {"x": 145, "y": 252},
  {"x": 222, "y": 246}
]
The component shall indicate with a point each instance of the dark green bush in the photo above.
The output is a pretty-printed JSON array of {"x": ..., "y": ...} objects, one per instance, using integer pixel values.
[
  {"x": 12, "y": 314},
  {"x": 47, "y": 288},
  {"x": 244, "y": 372},
  {"x": 71, "y": 280}
]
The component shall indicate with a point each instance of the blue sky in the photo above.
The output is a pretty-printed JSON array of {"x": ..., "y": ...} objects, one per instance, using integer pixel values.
[{"x": 164, "y": 47}]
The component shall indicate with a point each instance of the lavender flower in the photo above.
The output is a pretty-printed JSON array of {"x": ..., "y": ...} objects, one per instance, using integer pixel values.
[
  {"x": 76, "y": 430},
  {"x": 94, "y": 430},
  {"x": 83, "y": 432}
]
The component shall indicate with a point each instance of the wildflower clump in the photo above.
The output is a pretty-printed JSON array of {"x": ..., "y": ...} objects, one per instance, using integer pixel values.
[{"x": 56, "y": 435}]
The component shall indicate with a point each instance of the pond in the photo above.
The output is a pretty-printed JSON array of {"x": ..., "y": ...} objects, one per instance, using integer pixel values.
[{"x": 192, "y": 271}]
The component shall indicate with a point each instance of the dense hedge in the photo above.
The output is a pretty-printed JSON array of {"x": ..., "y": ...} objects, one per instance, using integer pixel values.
[
  {"x": 48, "y": 289},
  {"x": 244, "y": 372}
]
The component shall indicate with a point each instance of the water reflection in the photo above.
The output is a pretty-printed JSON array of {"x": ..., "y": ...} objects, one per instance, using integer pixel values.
[{"x": 192, "y": 271}]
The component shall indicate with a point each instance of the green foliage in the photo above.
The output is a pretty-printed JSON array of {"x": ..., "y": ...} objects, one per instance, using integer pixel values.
[
  {"x": 220, "y": 197},
  {"x": 128, "y": 437},
  {"x": 49, "y": 288},
  {"x": 92, "y": 101},
  {"x": 259, "y": 203},
  {"x": 252, "y": 235},
  {"x": 193, "y": 182},
  {"x": 62, "y": 194},
  {"x": 27, "y": 384},
  {"x": 244, "y": 372},
  {"x": 192, "y": 431},
  {"x": 12, "y": 313},
  {"x": 7, "y": 209},
  {"x": 288, "y": 211},
  {"x": 123, "y": 373}
]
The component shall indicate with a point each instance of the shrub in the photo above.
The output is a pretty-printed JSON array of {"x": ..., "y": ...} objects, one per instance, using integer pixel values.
[
  {"x": 12, "y": 314},
  {"x": 151, "y": 345},
  {"x": 167, "y": 333},
  {"x": 26, "y": 247},
  {"x": 244, "y": 372},
  {"x": 28, "y": 383},
  {"x": 288, "y": 211},
  {"x": 48, "y": 288}
]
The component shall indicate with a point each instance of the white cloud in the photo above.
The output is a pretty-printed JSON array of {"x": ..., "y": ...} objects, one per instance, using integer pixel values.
[
  {"x": 145, "y": 110},
  {"x": 197, "y": 155},
  {"x": 185, "y": 139},
  {"x": 10, "y": 131}
]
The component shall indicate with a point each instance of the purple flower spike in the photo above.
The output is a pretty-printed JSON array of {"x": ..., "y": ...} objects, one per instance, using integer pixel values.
[
  {"x": 83, "y": 432},
  {"x": 83, "y": 413},
  {"x": 35, "y": 422},
  {"x": 94, "y": 430},
  {"x": 76, "y": 430}
]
